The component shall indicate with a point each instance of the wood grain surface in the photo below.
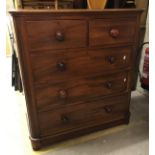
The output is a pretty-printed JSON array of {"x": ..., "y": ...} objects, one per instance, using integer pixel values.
[{"x": 77, "y": 69}]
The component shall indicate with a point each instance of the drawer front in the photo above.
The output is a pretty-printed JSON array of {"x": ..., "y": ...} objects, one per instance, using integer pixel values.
[
  {"x": 87, "y": 114},
  {"x": 57, "y": 66},
  {"x": 105, "y": 32},
  {"x": 70, "y": 91},
  {"x": 56, "y": 34}
]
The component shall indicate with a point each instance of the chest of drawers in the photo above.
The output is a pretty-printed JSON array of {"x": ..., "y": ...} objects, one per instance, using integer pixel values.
[{"x": 77, "y": 70}]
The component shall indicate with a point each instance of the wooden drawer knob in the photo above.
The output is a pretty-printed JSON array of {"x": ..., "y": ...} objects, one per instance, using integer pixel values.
[
  {"x": 59, "y": 36},
  {"x": 61, "y": 66},
  {"x": 109, "y": 85},
  {"x": 64, "y": 119},
  {"x": 114, "y": 33},
  {"x": 108, "y": 109},
  {"x": 63, "y": 94},
  {"x": 111, "y": 59}
]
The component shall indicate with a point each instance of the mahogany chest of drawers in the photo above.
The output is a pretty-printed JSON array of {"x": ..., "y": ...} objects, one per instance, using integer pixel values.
[{"x": 77, "y": 70}]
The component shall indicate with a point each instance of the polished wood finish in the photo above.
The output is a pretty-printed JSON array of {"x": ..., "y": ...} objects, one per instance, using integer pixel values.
[
  {"x": 110, "y": 31},
  {"x": 57, "y": 34},
  {"x": 80, "y": 89},
  {"x": 81, "y": 115},
  {"x": 76, "y": 70},
  {"x": 64, "y": 64}
]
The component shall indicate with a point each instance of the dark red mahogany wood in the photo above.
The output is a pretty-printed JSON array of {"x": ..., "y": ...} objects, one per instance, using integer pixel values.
[{"x": 76, "y": 68}]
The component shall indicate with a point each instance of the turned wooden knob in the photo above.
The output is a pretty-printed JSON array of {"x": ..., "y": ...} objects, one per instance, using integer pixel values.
[
  {"x": 59, "y": 36},
  {"x": 114, "y": 33},
  {"x": 64, "y": 119},
  {"x": 61, "y": 66},
  {"x": 109, "y": 85},
  {"x": 108, "y": 109},
  {"x": 111, "y": 60},
  {"x": 63, "y": 94}
]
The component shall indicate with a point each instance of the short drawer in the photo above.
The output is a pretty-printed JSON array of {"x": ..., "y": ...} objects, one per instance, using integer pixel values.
[
  {"x": 56, "y": 34},
  {"x": 57, "y": 66},
  {"x": 73, "y": 90},
  {"x": 106, "y": 32},
  {"x": 90, "y": 113}
]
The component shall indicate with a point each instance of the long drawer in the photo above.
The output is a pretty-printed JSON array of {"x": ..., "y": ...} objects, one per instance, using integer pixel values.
[
  {"x": 56, "y": 34},
  {"x": 70, "y": 91},
  {"x": 57, "y": 66},
  {"x": 83, "y": 115}
]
